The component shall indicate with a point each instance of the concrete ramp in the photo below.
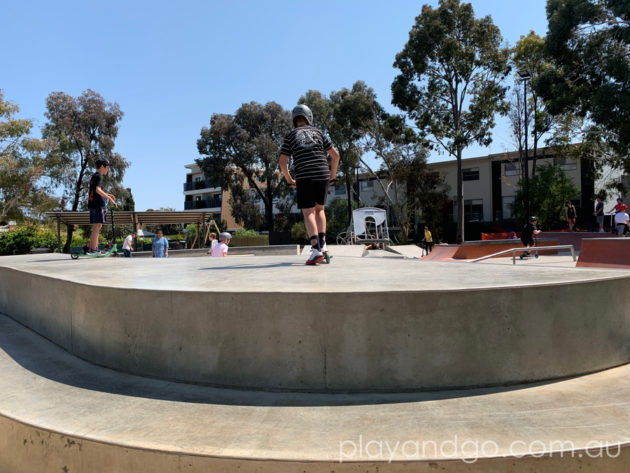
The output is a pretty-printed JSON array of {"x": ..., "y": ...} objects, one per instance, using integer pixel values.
[
  {"x": 605, "y": 253},
  {"x": 442, "y": 253},
  {"x": 408, "y": 251},
  {"x": 61, "y": 414}
]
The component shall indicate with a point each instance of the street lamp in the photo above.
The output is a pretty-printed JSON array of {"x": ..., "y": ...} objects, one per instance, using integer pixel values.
[{"x": 525, "y": 76}]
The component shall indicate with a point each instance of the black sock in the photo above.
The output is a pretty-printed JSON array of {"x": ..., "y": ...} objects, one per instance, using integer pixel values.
[
  {"x": 315, "y": 243},
  {"x": 322, "y": 239}
]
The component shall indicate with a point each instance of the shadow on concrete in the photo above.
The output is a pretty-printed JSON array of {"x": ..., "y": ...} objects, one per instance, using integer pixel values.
[
  {"x": 45, "y": 359},
  {"x": 251, "y": 266}
]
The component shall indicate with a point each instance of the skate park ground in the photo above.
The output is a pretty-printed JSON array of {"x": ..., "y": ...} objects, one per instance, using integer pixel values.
[{"x": 313, "y": 369}]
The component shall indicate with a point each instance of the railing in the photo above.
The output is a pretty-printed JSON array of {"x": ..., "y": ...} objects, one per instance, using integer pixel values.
[
  {"x": 534, "y": 248},
  {"x": 202, "y": 204},
  {"x": 197, "y": 185}
]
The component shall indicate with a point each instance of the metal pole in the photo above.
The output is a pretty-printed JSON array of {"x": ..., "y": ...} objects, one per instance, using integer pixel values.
[
  {"x": 527, "y": 208},
  {"x": 58, "y": 235}
]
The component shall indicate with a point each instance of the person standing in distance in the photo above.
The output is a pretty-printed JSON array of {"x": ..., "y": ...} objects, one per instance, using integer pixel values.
[
  {"x": 97, "y": 202},
  {"x": 128, "y": 244},
  {"x": 308, "y": 146}
]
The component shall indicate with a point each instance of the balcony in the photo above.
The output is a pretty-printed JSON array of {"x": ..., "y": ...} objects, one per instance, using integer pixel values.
[
  {"x": 197, "y": 185},
  {"x": 202, "y": 204}
]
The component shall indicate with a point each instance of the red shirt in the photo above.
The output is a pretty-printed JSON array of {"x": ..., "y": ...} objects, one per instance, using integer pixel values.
[{"x": 621, "y": 207}]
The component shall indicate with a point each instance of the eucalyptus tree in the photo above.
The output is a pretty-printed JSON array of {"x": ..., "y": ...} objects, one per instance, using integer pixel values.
[
  {"x": 240, "y": 154},
  {"x": 451, "y": 81},
  {"x": 81, "y": 130},
  {"x": 589, "y": 42}
]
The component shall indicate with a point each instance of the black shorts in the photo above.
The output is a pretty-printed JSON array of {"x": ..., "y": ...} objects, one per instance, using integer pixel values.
[
  {"x": 310, "y": 193},
  {"x": 528, "y": 242},
  {"x": 98, "y": 215}
]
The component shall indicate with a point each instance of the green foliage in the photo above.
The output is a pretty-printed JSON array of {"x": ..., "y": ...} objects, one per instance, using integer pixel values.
[
  {"x": 451, "y": 79},
  {"x": 24, "y": 239},
  {"x": 82, "y": 130},
  {"x": 549, "y": 189},
  {"x": 589, "y": 42},
  {"x": 412, "y": 186},
  {"x": 22, "y": 167},
  {"x": 529, "y": 55},
  {"x": 298, "y": 233},
  {"x": 241, "y": 154},
  {"x": 244, "y": 232},
  {"x": 250, "y": 240},
  {"x": 336, "y": 218}
]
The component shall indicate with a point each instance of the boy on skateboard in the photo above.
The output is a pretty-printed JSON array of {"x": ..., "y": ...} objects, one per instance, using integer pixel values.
[{"x": 527, "y": 236}]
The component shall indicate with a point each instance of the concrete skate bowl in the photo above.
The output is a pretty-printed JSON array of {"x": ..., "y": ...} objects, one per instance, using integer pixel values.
[{"x": 409, "y": 326}]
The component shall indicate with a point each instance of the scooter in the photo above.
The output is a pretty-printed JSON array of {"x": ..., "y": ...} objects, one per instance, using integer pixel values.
[{"x": 112, "y": 250}]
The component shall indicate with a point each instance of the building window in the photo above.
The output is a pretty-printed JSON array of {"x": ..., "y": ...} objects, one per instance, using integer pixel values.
[
  {"x": 340, "y": 190},
  {"x": 566, "y": 164},
  {"x": 473, "y": 210},
  {"x": 470, "y": 174},
  {"x": 512, "y": 169},
  {"x": 367, "y": 185},
  {"x": 506, "y": 205}
]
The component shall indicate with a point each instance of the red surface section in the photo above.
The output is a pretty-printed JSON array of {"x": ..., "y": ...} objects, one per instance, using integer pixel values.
[
  {"x": 564, "y": 238},
  {"x": 441, "y": 253},
  {"x": 605, "y": 253},
  {"x": 472, "y": 251}
]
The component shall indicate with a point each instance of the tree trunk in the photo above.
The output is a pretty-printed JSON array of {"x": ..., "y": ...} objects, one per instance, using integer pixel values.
[
  {"x": 269, "y": 207},
  {"x": 75, "y": 206},
  {"x": 535, "y": 139},
  {"x": 349, "y": 193},
  {"x": 460, "y": 198}
]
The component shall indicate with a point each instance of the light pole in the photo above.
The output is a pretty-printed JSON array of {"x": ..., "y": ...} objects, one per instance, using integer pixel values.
[{"x": 525, "y": 76}]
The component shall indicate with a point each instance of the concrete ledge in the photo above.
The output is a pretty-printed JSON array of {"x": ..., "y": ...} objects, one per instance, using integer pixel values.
[
  {"x": 60, "y": 414},
  {"x": 233, "y": 251},
  {"x": 360, "y": 324}
]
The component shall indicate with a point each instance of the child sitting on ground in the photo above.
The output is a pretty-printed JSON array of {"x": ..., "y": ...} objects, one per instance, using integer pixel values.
[{"x": 221, "y": 248}]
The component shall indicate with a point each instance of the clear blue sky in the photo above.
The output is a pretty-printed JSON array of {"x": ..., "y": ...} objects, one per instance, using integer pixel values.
[{"x": 171, "y": 65}]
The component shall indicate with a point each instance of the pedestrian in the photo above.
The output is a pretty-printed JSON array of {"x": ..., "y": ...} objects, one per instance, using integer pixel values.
[
  {"x": 599, "y": 214},
  {"x": 621, "y": 220},
  {"x": 213, "y": 242},
  {"x": 97, "y": 202},
  {"x": 428, "y": 240},
  {"x": 160, "y": 246},
  {"x": 128, "y": 244},
  {"x": 308, "y": 147},
  {"x": 221, "y": 248},
  {"x": 620, "y": 207},
  {"x": 527, "y": 236},
  {"x": 570, "y": 214}
]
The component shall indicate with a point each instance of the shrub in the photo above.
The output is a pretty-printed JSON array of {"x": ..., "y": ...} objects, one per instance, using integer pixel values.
[
  {"x": 243, "y": 232},
  {"x": 298, "y": 233}
]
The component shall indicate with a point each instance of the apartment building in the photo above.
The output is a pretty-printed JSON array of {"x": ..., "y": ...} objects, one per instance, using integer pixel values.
[
  {"x": 491, "y": 182},
  {"x": 490, "y": 185}
]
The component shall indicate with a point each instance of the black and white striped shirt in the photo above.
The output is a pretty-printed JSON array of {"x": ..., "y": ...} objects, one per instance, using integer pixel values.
[{"x": 308, "y": 147}]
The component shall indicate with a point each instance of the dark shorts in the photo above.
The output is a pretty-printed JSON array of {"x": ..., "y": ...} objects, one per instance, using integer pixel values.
[
  {"x": 528, "y": 242},
  {"x": 310, "y": 193},
  {"x": 98, "y": 215},
  {"x": 127, "y": 253}
]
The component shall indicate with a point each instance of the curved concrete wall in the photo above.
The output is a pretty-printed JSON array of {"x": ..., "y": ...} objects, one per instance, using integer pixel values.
[{"x": 322, "y": 342}]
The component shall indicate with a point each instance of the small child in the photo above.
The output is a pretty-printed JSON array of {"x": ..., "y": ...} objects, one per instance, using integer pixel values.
[
  {"x": 213, "y": 242},
  {"x": 221, "y": 248}
]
